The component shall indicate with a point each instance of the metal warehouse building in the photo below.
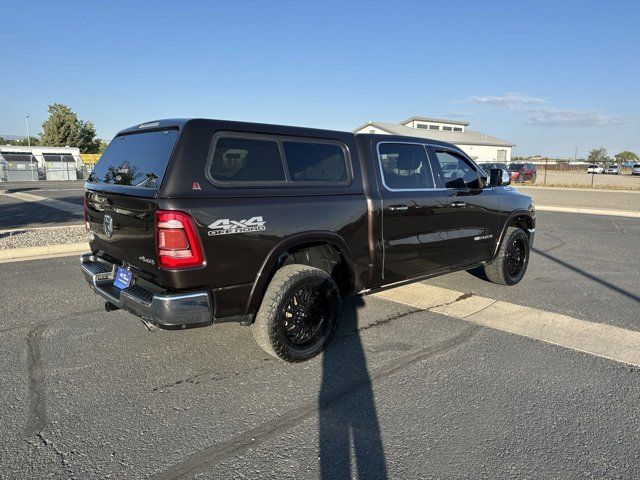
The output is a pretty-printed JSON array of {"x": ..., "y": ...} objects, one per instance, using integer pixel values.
[
  {"x": 38, "y": 162},
  {"x": 479, "y": 146}
]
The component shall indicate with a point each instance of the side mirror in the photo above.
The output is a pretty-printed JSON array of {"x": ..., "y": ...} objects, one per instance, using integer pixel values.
[{"x": 498, "y": 177}]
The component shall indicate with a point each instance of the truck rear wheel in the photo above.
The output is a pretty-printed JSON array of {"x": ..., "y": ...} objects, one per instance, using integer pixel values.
[
  {"x": 510, "y": 265},
  {"x": 299, "y": 313}
]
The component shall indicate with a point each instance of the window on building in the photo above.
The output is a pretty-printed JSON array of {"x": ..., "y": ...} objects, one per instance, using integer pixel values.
[
  {"x": 55, "y": 157},
  {"x": 422, "y": 125},
  {"x": 315, "y": 162},
  {"x": 447, "y": 128},
  {"x": 246, "y": 160},
  {"x": 372, "y": 131},
  {"x": 17, "y": 157},
  {"x": 457, "y": 129},
  {"x": 405, "y": 166},
  {"x": 434, "y": 127},
  {"x": 451, "y": 168}
]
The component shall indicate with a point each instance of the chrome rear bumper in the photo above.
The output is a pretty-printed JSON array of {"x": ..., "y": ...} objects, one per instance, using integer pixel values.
[{"x": 182, "y": 310}]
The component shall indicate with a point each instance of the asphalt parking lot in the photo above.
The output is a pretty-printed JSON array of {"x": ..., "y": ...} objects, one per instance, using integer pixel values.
[
  {"x": 402, "y": 392},
  {"x": 20, "y": 206}
]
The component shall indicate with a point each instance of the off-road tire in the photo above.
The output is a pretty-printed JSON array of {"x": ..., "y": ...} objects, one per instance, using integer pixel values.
[
  {"x": 269, "y": 329},
  {"x": 497, "y": 270}
]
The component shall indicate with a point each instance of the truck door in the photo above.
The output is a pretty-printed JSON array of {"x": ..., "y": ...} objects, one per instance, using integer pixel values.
[
  {"x": 413, "y": 212},
  {"x": 472, "y": 212}
]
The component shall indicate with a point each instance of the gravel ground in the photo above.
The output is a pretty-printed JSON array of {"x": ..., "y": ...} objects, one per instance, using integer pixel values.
[{"x": 37, "y": 237}]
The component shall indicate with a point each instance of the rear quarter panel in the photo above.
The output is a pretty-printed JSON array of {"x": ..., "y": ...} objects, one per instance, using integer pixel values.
[{"x": 236, "y": 261}]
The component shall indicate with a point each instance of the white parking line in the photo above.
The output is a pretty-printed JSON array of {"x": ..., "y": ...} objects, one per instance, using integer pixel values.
[
  {"x": 600, "y": 339},
  {"x": 49, "y": 202},
  {"x": 589, "y": 211}
]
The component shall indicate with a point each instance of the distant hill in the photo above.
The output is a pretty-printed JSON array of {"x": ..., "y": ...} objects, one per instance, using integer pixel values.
[{"x": 12, "y": 137}]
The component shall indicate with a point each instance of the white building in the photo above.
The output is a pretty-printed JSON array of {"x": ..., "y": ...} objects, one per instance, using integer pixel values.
[
  {"x": 42, "y": 154},
  {"x": 479, "y": 146},
  {"x": 19, "y": 163}
]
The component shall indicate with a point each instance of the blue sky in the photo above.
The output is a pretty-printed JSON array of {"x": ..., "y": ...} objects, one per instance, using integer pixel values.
[{"x": 546, "y": 75}]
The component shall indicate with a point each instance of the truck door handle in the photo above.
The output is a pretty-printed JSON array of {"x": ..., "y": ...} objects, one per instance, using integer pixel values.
[
  {"x": 398, "y": 208},
  {"x": 458, "y": 204}
]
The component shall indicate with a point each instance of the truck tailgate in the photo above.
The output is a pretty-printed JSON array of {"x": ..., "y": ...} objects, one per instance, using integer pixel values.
[{"x": 122, "y": 227}]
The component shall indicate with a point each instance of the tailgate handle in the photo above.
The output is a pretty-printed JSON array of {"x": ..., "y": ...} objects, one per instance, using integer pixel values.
[
  {"x": 398, "y": 208},
  {"x": 458, "y": 204}
]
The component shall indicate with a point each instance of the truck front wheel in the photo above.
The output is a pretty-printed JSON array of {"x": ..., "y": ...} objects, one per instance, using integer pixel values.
[
  {"x": 299, "y": 313},
  {"x": 510, "y": 265}
]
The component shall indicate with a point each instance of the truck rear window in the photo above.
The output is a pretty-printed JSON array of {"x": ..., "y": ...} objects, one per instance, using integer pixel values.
[{"x": 138, "y": 160}]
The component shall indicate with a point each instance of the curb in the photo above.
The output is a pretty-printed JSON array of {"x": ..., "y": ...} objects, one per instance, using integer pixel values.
[
  {"x": 589, "y": 211},
  {"x": 26, "y": 253},
  {"x": 575, "y": 189}
]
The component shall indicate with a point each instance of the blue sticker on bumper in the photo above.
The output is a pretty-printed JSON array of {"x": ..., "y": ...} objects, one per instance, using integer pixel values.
[{"x": 123, "y": 278}]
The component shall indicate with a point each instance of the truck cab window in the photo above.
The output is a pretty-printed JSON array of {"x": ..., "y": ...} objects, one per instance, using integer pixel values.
[
  {"x": 405, "y": 166},
  {"x": 450, "y": 168},
  {"x": 246, "y": 160},
  {"x": 315, "y": 162}
]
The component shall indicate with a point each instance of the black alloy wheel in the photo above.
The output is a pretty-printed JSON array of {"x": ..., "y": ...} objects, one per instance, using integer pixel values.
[
  {"x": 304, "y": 315},
  {"x": 515, "y": 257}
]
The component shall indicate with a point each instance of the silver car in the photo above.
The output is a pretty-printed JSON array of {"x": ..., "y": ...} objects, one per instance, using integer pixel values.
[
  {"x": 613, "y": 170},
  {"x": 635, "y": 170}
]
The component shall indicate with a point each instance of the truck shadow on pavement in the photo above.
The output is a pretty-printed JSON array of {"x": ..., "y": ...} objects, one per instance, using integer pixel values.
[
  {"x": 588, "y": 275},
  {"x": 348, "y": 421}
]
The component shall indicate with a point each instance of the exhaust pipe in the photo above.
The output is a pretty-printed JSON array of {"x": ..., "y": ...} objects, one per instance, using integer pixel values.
[{"x": 152, "y": 327}]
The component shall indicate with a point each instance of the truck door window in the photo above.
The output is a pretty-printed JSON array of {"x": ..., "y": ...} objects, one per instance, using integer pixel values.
[
  {"x": 405, "y": 166},
  {"x": 450, "y": 168},
  {"x": 315, "y": 162},
  {"x": 244, "y": 160}
]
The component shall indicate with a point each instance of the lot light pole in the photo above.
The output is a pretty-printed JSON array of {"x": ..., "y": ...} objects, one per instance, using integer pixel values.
[{"x": 26, "y": 118}]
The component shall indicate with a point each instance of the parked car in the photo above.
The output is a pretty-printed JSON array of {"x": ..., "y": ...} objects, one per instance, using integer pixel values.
[
  {"x": 595, "y": 169},
  {"x": 523, "y": 172},
  {"x": 635, "y": 170},
  {"x": 195, "y": 222},
  {"x": 613, "y": 170}
]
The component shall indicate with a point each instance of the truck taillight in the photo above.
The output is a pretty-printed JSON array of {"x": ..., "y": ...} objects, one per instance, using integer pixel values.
[{"x": 177, "y": 240}]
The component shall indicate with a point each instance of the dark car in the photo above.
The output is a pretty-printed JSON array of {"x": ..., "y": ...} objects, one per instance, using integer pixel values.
[
  {"x": 194, "y": 222},
  {"x": 523, "y": 172}
]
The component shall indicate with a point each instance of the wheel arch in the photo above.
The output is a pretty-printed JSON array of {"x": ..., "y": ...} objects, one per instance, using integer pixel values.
[
  {"x": 319, "y": 249},
  {"x": 519, "y": 218}
]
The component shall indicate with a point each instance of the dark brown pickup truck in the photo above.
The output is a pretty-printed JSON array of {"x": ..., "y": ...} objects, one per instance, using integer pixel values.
[{"x": 194, "y": 222}]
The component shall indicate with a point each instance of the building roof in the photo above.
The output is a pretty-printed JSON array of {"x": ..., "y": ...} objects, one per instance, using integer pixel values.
[
  {"x": 435, "y": 120},
  {"x": 38, "y": 149},
  {"x": 468, "y": 137}
]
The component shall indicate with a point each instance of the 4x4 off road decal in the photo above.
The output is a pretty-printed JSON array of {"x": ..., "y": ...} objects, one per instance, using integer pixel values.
[{"x": 224, "y": 226}]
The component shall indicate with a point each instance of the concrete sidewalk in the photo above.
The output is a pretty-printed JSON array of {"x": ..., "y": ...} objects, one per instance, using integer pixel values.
[{"x": 583, "y": 198}]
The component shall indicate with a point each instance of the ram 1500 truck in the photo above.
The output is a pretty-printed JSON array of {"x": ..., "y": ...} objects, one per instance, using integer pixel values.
[{"x": 195, "y": 222}]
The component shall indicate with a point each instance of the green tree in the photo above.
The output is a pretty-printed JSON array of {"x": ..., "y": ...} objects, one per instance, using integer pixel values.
[
  {"x": 63, "y": 128},
  {"x": 627, "y": 156},
  {"x": 598, "y": 155},
  {"x": 21, "y": 142},
  {"x": 87, "y": 141}
]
